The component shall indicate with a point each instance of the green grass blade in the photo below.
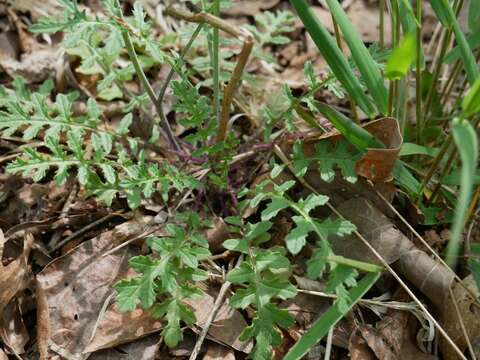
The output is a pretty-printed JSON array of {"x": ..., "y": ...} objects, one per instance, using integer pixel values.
[
  {"x": 355, "y": 134},
  {"x": 445, "y": 14},
  {"x": 409, "y": 149},
  {"x": 474, "y": 15},
  {"x": 321, "y": 327},
  {"x": 471, "y": 102},
  {"x": 333, "y": 55},
  {"x": 369, "y": 70},
  {"x": 473, "y": 41},
  {"x": 466, "y": 140},
  {"x": 401, "y": 58},
  {"x": 474, "y": 263}
]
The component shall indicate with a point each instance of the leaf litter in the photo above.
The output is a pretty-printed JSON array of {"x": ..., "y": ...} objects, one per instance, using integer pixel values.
[{"x": 74, "y": 298}]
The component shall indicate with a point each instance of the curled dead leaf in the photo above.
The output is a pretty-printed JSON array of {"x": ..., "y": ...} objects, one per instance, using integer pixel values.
[{"x": 377, "y": 164}]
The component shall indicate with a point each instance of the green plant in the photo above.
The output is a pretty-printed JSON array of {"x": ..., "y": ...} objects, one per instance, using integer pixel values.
[
  {"x": 265, "y": 276},
  {"x": 112, "y": 163},
  {"x": 169, "y": 277}
]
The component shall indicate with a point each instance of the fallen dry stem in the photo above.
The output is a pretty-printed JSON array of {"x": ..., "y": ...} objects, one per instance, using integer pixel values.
[
  {"x": 432, "y": 251},
  {"x": 244, "y": 36}
]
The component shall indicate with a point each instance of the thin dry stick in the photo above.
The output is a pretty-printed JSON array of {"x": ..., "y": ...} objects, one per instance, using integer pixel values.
[
  {"x": 440, "y": 329},
  {"x": 216, "y": 306},
  {"x": 462, "y": 325},
  {"x": 366, "y": 302},
  {"x": 83, "y": 230},
  {"x": 425, "y": 243},
  {"x": 243, "y": 57},
  {"x": 66, "y": 207},
  {"x": 144, "y": 234},
  {"x": 328, "y": 348}
]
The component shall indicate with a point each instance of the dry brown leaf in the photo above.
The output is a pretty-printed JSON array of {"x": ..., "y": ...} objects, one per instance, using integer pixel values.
[
  {"x": 217, "y": 234},
  {"x": 15, "y": 276},
  {"x": 394, "y": 337},
  {"x": 37, "y": 9},
  {"x": 218, "y": 352},
  {"x": 34, "y": 67},
  {"x": 118, "y": 327},
  {"x": 358, "y": 348},
  {"x": 12, "y": 329},
  {"x": 377, "y": 164},
  {"x": 377, "y": 343},
  {"x": 73, "y": 289},
  {"x": 228, "y": 324},
  {"x": 142, "y": 349},
  {"x": 470, "y": 313},
  {"x": 3, "y": 356},
  {"x": 365, "y": 19},
  {"x": 249, "y": 7},
  {"x": 9, "y": 45}
]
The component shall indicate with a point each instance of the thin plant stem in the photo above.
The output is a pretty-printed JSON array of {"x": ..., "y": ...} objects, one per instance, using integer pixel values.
[
  {"x": 382, "y": 24},
  {"x": 448, "y": 165},
  {"x": 163, "y": 89},
  {"x": 391, "y": 89},
  {"x": 462, "y": 325},
  {"x": 428, "y": 247},
  {"x": 243, "y": 57},
  {"x": 452, "y": 78},
  {"x": 434, "y": 166},
  {"x": 473, "y": 204},
  {"x": 446, "y": 40},
  {"x": 148, "y": 88},
  {"x": 436, "y": 72},
  {"x": 328, "y": 348},
  {"x": 216, "y": 62},
  {"x": 418, "y": 74},
  {"x": 214, "y": 311},
  {"x": 395, "y": 26},
  {"x": 340, "y": 46}
]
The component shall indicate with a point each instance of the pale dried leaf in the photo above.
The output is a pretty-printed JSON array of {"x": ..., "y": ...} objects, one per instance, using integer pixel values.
[
  {"x": 218, "y": 352},
  {"x": 249, "y": 7},
  {"x": 15, "y": 276},
  {"x": 470, "y": 313},
  {"x": 142, "y": 349},
  {"x": 228, "y": 324},
  {"x": 12, "y": 329},
  {"x": 34, "y": 67},
  {"x": 73, "y": 289}
]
